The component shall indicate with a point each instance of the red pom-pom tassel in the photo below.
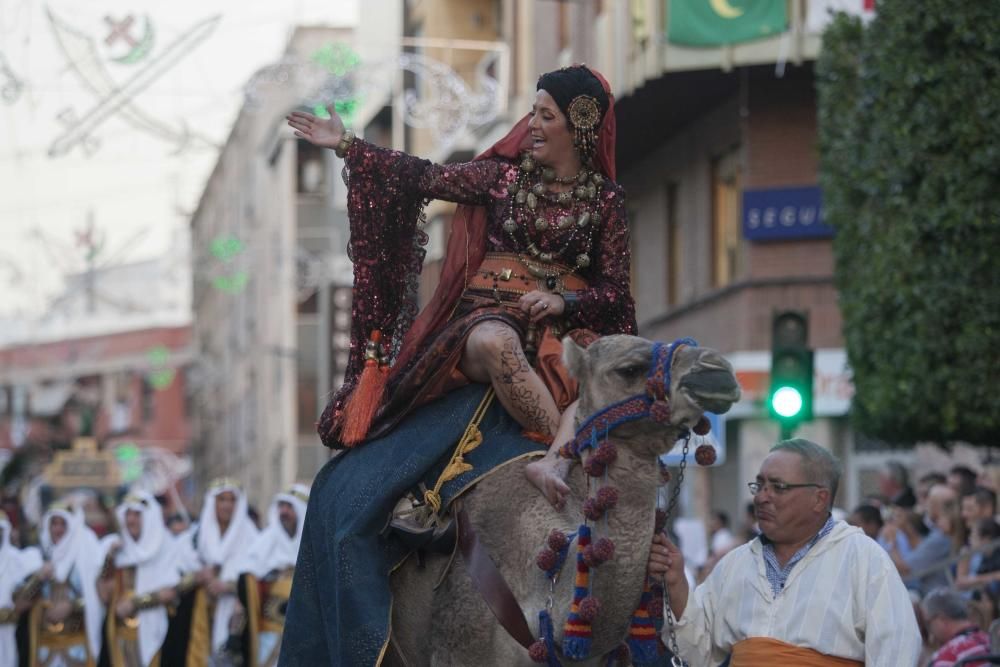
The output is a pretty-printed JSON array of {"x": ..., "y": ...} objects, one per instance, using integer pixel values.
[
  {"x": 546, "y": 559},
  {"x": 704, "y": 455},
  {"x": 592, "y": 509},
  {"x": 606, "y": 453},
  {"x": 538, "y": 651},
  {"x": 703, "y": 426},
  {"x": 607, "y": 497},
  {"x": 594, "y": 468},
  {"x": 589, "y": 608},
  {"x": 557, "y": 540}
]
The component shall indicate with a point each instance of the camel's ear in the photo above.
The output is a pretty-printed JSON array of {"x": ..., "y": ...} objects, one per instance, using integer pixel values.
[{"x": 575, "y": 358}]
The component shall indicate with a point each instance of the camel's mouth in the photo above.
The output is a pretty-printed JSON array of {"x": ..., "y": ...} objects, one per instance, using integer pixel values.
[{"x": 713, "y": 389}]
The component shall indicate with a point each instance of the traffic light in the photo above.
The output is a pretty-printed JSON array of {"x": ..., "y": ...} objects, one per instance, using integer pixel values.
[{"x": 790, "y": 397}]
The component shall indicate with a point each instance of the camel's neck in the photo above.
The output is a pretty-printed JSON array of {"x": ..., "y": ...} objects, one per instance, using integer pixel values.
[{"x": 618, "y": 583}]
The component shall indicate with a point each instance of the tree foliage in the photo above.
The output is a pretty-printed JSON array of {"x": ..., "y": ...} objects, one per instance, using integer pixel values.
[{"x": 909, "y": 118}]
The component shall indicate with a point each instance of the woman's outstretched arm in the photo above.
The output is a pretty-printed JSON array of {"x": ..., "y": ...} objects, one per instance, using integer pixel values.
[{"x": 475, "y": 182}]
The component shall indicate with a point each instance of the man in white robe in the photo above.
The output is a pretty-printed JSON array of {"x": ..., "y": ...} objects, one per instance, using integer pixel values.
[
  {"x": 151, "y": 563},
  {"x": 277, "y": 547},
  {"x": 78, "y": 562},
  {"x": 225, "y": 532},
  {"x": 16, "y": 567},
  {"x": 809, "y": 592},
  {"x": 270, "y": 563}
]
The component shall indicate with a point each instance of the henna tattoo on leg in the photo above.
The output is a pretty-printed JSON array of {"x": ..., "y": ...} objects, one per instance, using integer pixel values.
[{"x": 502, "y": 360}]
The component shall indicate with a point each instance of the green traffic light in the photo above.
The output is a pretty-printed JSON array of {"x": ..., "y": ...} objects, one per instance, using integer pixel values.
[{"x": 786, "y": 402}]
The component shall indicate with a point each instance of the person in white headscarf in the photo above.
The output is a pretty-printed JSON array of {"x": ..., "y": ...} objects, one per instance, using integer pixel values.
[
  {"x": 78, "y": 560},
  {"x": 224, "y": 533},
  {"x": 266, "y": 578},
  {"x": 152, "y": 565},
  {"x": 16, "y": 567},
  {"x": 277, "y": 547}
]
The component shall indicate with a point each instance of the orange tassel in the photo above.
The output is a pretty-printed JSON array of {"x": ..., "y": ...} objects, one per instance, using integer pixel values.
[{"x": 365, "y": 400}]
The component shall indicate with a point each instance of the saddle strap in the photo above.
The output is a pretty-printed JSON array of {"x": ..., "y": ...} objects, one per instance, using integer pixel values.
[{"x": 490, "y": 583}]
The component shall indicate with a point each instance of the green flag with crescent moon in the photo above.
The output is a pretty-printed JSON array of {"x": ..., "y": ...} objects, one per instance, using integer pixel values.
[{"x": 719, "y": 22}]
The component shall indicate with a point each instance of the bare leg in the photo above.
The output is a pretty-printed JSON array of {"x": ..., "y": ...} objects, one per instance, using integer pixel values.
[{"x": 493, "y": 354}]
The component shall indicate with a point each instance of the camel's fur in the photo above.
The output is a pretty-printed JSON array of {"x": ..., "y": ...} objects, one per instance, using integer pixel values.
[{"x": 453, "y": 626}]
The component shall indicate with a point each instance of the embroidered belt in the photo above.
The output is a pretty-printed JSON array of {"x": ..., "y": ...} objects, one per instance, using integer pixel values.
[{"x": 507, "y": 276}]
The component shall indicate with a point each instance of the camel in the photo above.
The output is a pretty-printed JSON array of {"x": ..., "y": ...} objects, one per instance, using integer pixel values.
[{"x": 451, "y": 624}]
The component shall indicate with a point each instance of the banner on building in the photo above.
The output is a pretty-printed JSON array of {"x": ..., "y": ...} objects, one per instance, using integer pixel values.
[
  {"x": 775, "y": 214},
  {"x": 820, "y": 13},
  {"x": 720, "y": 22}
]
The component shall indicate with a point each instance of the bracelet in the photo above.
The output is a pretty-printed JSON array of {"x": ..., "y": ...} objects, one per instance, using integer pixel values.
[
  {"x": 571, "y": 300},
  {"x": 346, "y": 140}
]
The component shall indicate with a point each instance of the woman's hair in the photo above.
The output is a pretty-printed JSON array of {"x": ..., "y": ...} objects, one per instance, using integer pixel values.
[{"x": 566, "y": 84}]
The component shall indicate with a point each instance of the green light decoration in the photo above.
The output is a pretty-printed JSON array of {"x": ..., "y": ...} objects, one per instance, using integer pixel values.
[
  {"x": 336, "y": 58},
  {"x": 226, "y": 248},
  {"x": 231, "y": 284},
  {"x": 162, "y": 378},
  {"x": 129, "y": 457},
  {"x": 158, "y": 356},
  {"x": 344, "y": 108}
]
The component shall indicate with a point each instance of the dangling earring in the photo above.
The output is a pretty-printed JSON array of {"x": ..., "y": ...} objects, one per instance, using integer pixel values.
[{"x": 584, "y": 114}]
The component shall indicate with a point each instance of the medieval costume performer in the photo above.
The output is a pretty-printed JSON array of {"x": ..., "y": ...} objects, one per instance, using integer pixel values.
[
  {"x": 19, "y": 578},
  {"x": 66, "y": 624},
  {"x": 151, "y": 568},
  {"x": 538, "y": 249},
  {"x": 266, "y": 582},
  {"x": 225, "y": 531}
]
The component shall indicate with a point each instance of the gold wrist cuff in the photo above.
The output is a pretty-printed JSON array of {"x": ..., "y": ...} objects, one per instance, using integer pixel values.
[{"x": 345, "y": 143}]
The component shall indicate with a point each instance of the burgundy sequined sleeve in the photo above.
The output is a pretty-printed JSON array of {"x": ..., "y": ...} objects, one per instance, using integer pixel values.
[
  {"x": 460, "y": 182},
  {"x": 606, "y": 306}
]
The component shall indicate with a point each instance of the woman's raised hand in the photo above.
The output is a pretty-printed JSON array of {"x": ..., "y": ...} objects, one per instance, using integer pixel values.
[{"x": 325, "y": 132}]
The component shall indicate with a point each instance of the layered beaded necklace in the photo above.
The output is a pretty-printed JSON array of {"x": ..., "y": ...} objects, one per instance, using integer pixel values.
[{"x": 578, "y": 213}]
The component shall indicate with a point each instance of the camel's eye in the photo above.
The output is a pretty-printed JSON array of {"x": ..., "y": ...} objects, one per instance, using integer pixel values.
[{"x": 631, "y": 372}]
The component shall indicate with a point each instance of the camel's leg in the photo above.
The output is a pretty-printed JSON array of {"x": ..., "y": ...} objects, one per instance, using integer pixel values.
[{"x": 493, "y": 354}]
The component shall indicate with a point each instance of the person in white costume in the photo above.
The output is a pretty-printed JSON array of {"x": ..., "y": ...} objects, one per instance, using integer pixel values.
[
  {"x": 151, "y": 563},
  {"x": 225, "y": 531},
  {"x": 277, "y": 547},
  {"x": 78, "y": 562},
  {"x": 16, "y": 567},
  {"x": 809, "y": 592}
]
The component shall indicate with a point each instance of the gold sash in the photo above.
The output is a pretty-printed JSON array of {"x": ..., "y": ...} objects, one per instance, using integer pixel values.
[{"x": 760, "y": 651}]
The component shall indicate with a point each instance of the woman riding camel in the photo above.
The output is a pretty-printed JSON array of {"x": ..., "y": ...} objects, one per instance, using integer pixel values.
[{"x": 539, "y": 249}]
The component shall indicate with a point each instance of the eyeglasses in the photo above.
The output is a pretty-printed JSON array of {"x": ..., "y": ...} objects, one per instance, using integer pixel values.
[{"x": 778, "y": 487}]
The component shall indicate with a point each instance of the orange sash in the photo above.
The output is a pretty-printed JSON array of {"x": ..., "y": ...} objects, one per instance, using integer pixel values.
[{"x": 761, "y": 651}]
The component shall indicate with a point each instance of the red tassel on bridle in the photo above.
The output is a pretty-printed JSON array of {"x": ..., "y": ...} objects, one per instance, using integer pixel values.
[{"x": 365, "y": 400}]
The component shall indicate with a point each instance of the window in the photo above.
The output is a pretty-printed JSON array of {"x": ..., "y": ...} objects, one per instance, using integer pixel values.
[{"x": 727, "y": 236}]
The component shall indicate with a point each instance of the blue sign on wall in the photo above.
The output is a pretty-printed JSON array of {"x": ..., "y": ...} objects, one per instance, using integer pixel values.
[{"x": 784, "y": 213}]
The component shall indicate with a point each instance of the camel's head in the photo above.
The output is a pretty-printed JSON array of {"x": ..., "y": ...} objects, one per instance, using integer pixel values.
[{"x": 615, "y": 368}]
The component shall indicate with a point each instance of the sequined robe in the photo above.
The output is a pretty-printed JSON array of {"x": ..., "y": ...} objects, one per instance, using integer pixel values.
[{"x": 387, "y": 191}]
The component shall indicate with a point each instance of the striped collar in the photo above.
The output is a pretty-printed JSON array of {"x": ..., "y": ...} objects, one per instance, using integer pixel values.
[{"x": 777, "y": 575}]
